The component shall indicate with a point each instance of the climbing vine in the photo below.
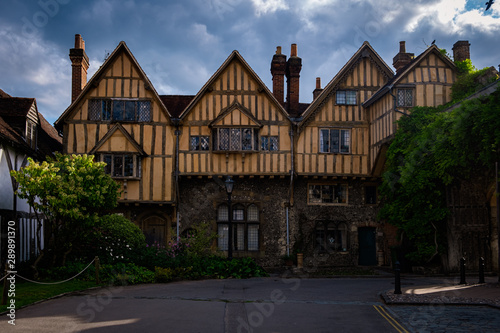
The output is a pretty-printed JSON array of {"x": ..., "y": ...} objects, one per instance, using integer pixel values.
[{"x": 431, "y": 149}]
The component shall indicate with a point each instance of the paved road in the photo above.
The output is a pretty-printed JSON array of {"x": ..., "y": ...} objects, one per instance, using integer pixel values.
[{"x": 253, "y": 305}]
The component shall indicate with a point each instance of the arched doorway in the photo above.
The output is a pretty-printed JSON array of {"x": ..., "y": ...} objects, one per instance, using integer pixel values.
[{"x": 155, "y": 229}]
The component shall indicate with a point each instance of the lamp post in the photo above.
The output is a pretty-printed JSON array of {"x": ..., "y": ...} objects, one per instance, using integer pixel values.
[{"x": 229, "y": 190}]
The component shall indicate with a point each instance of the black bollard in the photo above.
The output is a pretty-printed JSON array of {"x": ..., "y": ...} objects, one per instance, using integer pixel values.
[
  {"x": 481, "y": 270},
  {"x": 462, "y": 271},
  {"x": 397, "y": 282}
]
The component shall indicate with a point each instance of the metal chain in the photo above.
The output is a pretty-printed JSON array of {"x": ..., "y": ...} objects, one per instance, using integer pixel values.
[{"x": 55, "y": 282}]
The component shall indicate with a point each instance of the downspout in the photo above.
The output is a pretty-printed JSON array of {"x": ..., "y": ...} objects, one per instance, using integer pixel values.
[
  {"x": 292, "y": 170},
  {"x": 287, "y": 234},
  {"x": 395, "y": 100},
  {"x": 176, "y": 122}
]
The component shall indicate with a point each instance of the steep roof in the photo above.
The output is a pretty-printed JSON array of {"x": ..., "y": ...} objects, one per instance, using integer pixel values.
[
  {"x": 13, "y": 114},
  {"x": 366, "y": 50},
  {"x": 405, "y": 70},
  {"x": 3, "y": 94},
  {"x": 122, "y": 47},
  {"x": 175, "y": 104},
  {"x": 235, "y": 55},
  {"x": 15, "y": 106}
]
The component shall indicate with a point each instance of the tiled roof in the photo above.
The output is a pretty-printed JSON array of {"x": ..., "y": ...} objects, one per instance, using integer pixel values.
[
  {"x": 15, "y": 106},
  {"x": 175, "y": 104},
  {"x": 3, "y": 94}
]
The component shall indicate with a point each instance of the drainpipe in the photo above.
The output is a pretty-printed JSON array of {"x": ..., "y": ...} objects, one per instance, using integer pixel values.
[
  {"x": 395, "y": 100},
  {"x": 287, "y": 234},
  {"x": 176, "y": 122},
  {"x": 292, "y": 170}
]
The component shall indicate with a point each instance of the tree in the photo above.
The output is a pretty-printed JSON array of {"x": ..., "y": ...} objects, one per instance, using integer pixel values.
[{"x": 68, "y": 193}]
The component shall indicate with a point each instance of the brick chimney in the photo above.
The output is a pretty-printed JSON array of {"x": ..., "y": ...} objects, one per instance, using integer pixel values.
[
  {"x": 293, "y": 67},
  {"x": 80, "y": 64},
  {"x": 318, "y": 89},
  {"x": 461, "y": 50},
  {"x": 278, "y": 69},
  {"x": 402, "y": 58}
]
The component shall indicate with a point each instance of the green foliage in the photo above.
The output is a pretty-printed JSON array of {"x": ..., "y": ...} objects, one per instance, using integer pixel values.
[
  {"x": 201, "y": 240},
  {"x": 468, "y": 80},
  {"x": 70, "y": 192},
  {"x": 169, "y": 274},
  {"x": 465, "y": 67},
  {"x": 74, "y": 188},
  {"x": 125, "y": 274},
  {"x": 431, "y": 150},
  {"x": 114, "y": 238}
]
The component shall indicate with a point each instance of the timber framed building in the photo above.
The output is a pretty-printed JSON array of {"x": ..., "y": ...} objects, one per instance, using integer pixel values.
[{"x": 305, "y": 175}]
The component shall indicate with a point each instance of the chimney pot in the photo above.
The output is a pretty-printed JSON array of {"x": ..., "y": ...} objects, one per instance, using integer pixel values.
[
  {"x": 402, "y": 47},
  {"x": 278, "y": 49},
  {"x": 402, "y": 58},
  {"x": 318, "y": 89},
  {"x": 293, "y": 52}
]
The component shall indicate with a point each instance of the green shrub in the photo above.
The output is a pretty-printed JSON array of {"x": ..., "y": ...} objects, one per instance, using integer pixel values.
[
  {"x": 115, "y": 238},
  {"x": 169, "y": 274},
  {"x": 125, "y": 274}
]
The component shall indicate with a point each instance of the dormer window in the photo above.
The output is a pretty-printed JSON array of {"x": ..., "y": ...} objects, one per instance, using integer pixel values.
[
  {"x": 31, "y": 133},
  {"x": 119, "y": 110},
  {"x": 235, "y": 139}
]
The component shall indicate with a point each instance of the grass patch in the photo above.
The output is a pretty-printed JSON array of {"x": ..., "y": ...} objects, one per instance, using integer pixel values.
[{"x": 28, "y": 292}]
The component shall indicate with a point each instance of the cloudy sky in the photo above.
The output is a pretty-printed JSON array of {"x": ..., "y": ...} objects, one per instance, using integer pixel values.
[{"x": 181, "y": 43}]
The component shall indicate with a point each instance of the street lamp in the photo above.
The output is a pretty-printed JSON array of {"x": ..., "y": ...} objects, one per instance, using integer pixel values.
[{"x": 229, "y": 190}]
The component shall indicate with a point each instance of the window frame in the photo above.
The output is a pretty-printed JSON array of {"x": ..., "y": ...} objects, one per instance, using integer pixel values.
[
  {"x": 320, "y": 190},
  {"x": 105, "y": 112},
  {"x": 199, "y": 145},
  {"x": 347, "y": 97},
  {"x": 234, "y": 144},
  {"x": 339, "y": 230},
  {"x": 340, "y": 140},
  {"x": 31, "y": 133},
  {"x": 405, "y": 91},
  {"x": 266, "y": 143},
  {"x": 110, "y": 169},
  {"x": 246, "y": 228}
]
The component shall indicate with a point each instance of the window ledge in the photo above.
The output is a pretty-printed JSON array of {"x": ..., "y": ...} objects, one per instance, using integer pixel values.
[
  {"x": 235, "y": 151},
  {"x": 126, "y": 178}
]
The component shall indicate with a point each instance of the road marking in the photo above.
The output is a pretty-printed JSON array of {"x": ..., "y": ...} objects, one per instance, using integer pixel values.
[{"x": 380, "y": 309}]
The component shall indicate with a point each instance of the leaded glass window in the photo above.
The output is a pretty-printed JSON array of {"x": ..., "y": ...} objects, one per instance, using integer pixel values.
[
  {"x": 235, "y": 139},
  {"x": 405, "y": 97},
  {"x": 346, "y": 97},
  {"x": 199, "y": 143},
  {"x": 121, "y": 166},
  {"x": 119, "y": 110},
  {"x": 245, "y": 226},
  {"x": 334, "y": 140}
]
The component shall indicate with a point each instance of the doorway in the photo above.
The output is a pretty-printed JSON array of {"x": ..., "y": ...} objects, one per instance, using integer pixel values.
[
  {"x": 367, "y": 246},
  {"x": 155, "y": 230}
]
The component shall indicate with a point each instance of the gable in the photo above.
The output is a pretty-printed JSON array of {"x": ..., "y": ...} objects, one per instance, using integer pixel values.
[
  {"x": 234, "y": 81},
  {"x": 235, "y": 115},
  {"x": 120, "y": 77},
  {"x": 117, "y": 140},
  {"x": 364, "y": 73}
]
